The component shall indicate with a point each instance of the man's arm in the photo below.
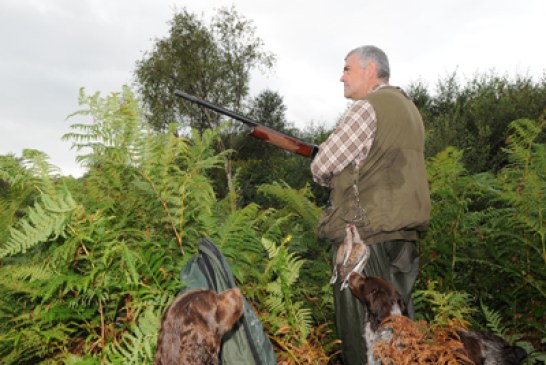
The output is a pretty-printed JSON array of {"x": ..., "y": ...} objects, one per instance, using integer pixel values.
[{"x": 350, "y": 142}]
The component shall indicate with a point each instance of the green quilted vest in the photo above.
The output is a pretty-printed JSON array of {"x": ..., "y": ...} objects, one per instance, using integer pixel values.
[{"x": 392, "y": 182}]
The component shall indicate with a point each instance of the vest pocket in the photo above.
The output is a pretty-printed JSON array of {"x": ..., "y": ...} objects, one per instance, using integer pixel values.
[
  {"x": 332, "y": 222},
  {"x": 357, "y": 216},
  {"x": 330, "y": 226}
]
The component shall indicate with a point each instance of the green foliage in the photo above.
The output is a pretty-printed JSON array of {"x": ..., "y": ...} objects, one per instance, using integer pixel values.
[
  {"x": 288, "y": 315},
  {"x": 296, "y": 201},
  {"x": 92, "y": 268},
  {"x": 46, "y": 220},
  {"x": 110, "y": 256},
  {"x": 257, "y": 163},
  {"x": 212, "y": 61},
  {"x": 447, "y": 308},
  {"x": 297, "y": 216},
  {"x": 496, "y": 325},
  {"x": 88, "y": 266},
  {"x": 524, "y": 182},
  {"x": 138, "y": 342},
  {"x": 486, "y": 234},
  {"x": 114, "y": 133},
  {"x": 494, "y": 322},
  {"x": 20, "y": 182},
  {"x": 474, "y": 117}
]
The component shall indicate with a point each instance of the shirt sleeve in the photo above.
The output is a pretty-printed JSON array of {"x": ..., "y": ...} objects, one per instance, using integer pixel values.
[{"x": 350, "y": 142}]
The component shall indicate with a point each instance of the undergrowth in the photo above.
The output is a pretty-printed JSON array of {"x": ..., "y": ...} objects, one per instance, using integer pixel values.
[{"x": 88, "y": 265}]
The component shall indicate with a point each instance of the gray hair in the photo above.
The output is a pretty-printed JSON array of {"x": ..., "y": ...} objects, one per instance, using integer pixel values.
[{"x": 367, "y": 54}]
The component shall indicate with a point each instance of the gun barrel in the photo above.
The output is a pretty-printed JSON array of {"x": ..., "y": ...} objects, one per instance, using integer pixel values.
[
  {"x": 259, "y": 131},
  {"x": 215, "y": 107}
]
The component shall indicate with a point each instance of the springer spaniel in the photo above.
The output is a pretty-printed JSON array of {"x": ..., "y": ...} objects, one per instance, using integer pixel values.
[
  {"x": 382, "y": 300},
  {"x": 194, "y": 324}
]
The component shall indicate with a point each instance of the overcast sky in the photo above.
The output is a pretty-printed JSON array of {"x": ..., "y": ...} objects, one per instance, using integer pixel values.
[{"x": 51, "y": 48}]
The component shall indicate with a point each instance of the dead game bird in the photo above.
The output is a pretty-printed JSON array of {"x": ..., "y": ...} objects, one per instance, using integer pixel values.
[{"x": 351, "y": 256}]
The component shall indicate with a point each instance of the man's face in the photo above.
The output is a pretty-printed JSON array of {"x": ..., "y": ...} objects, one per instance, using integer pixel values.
[{"x": 356, "y": 79}]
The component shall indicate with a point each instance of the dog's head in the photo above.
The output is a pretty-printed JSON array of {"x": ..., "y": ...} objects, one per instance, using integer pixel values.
[
  {"x": 379, "y": 296},
  {"x": 194, "y": 324},
  {"x": 217, "y": 312}
]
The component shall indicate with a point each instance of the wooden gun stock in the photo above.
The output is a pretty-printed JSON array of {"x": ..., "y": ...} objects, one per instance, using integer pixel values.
[{"x": 259, "y": 131}]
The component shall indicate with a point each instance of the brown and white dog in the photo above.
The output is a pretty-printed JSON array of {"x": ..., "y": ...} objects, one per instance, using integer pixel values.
[
  {"x": 382, "y": 300},
  {"x": 194, "y": 324}
]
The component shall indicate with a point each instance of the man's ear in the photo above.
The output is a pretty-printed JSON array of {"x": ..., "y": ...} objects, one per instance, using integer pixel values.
[{"x": 371, "y": 70}]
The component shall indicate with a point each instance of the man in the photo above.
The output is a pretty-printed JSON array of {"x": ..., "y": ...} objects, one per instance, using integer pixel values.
[{"x": 374, "y": 165}]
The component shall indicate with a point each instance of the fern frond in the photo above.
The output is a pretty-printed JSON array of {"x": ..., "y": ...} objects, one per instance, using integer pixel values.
[
  {"x": 284, "y": 310},
  {"x": 271, "y": 248},
  {"x": 36, "y": 163},
  {"x": 443, "y": 168},
  {"x": 19, "y": 279},
  {"x": 63, "y": 283},
  {"x": 115, "y": 133},
  {"x": 447, "y": 307},
  {"x": 31, "y": 336},
  {"x": 297, "y": 202},
  {"x": 523, "y": 133},
  {"x": 524, "y": 182},
  {"x": 199, "y": 155},
  {"x": 29, "y": 273},
  {"x": 137, "y": 346},
  {"x": 130, "y": 260},
  {"x": 45, "y": 221},
  {"x": 13, "y": 172},
  {"x": 494, "y": 321}
]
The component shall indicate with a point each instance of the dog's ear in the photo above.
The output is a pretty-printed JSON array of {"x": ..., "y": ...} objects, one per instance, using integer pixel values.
[
  {"x": 229, "y": 309},
  {"x": 356, "y": 284}
]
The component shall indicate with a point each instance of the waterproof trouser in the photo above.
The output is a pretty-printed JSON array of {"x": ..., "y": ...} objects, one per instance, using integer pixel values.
[{"x": 396, "y": 261}]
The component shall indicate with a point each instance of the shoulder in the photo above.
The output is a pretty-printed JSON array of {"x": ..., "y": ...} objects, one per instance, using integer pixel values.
[
  {"x": 388, "y": 98},
  {"x": 386, "y": 92}
]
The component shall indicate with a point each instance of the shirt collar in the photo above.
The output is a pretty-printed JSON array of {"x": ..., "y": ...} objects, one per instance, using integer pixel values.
[{"x": 378, "y": 87}]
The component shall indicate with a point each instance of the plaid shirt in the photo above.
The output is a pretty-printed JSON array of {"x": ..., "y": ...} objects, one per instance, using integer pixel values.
[{"x": 350, "y": 142}]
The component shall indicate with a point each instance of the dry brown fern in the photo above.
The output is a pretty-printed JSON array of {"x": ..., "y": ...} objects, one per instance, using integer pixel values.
[
  {"x": 415, "y": 343},
  {"x": 291, "y": 351}
]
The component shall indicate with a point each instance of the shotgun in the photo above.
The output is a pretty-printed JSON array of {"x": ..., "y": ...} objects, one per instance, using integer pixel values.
[{"x": 257, "y": 130}]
